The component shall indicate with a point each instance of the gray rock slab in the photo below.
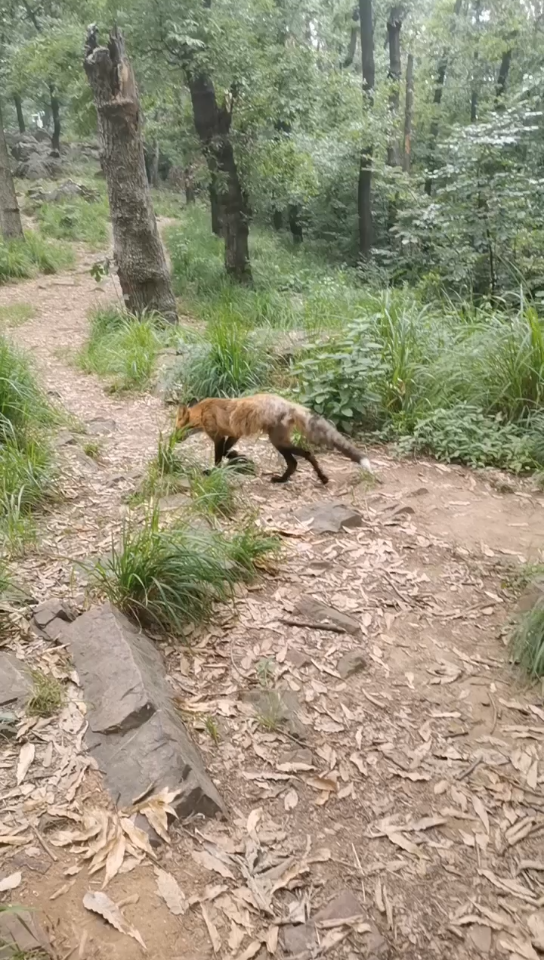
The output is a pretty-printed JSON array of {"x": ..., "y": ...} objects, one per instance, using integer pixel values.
[
  {"x": 314, "y": 610},
  {"x": 134, "y": 732},
  {"x": 15, "y": 682},
  {"x": 351, "y": 662},
  {"x": 329, "y": 517}
]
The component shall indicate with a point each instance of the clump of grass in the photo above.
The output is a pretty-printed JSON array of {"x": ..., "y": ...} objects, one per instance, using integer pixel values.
[
  {"x": 212, "y": 493},
  {"x": 75, "y": 219},
  {"x": 20, "y": 259},
  {"x": 228, "y": 362},
  {"x": 16, "y": 314},
  {"x": 169, "y": 577},
  {"x": 254, "y": 550},
  {"x": 122, "y": 347},
  {"x": 92, "y": 449},
  {"x": 47, "y": 697},
  {"x": 527, "y": 641}
]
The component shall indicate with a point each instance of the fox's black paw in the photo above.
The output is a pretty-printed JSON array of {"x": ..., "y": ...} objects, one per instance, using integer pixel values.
[
  {"x": 279, "y": 479},
  {"x": 323, "y": 478}
]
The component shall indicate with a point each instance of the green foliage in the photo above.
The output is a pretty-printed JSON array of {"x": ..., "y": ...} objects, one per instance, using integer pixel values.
[
  {"x": 170, "y": 577},
  {"x": 252, "y": 549},
  {"x": 22, "y": 259},
  {"x": 123, "y": 348},
  {"x": 213, "y": 492},
  {"x": 47, "y": 696},
  {"x": 75, "y": 219},
  {"x": 527, "y": 641}
]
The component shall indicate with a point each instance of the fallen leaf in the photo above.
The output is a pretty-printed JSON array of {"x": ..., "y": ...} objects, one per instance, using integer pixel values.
[
  {"x": 290, "y": 800},
  {"x": 210, "y": 862},
  {"x": 272, "y": 938},
  {"x": 253, "y": 820},
  {"x": 114, "y": 859},
  {"x": 11, "y": 882},
  {"x": 250, "y": 951},
  {"x": 481, "y": 812},
  {"x": 26, "y": 757},
  {"x": 212, "y": 929},
  {"x": 171, "y": 892},
  {"x": 137, "y": 837},
  {"x": 98, "y": 902}
]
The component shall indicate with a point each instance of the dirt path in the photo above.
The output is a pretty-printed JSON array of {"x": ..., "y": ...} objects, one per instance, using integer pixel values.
[{"x": 415, "y": 783}]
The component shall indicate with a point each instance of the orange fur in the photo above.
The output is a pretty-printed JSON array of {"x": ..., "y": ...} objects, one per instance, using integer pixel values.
[{"x": 225, "y": 421}]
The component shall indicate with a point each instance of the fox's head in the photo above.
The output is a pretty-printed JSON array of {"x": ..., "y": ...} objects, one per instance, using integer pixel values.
[{"x": 187, "y": 421}]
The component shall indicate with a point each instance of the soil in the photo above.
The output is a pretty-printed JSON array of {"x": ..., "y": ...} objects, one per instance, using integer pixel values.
[{"x": 438, "y": 724}]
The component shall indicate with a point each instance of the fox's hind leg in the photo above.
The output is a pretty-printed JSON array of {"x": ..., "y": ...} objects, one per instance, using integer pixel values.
[{"x": 306, "y": 455}]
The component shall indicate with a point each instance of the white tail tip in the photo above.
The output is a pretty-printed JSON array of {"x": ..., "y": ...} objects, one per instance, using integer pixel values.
[{"x": 364, "y": 463}]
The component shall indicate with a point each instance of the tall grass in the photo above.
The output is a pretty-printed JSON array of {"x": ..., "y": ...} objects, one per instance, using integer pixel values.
[
  {"x": 21, "y": 259},
  {"x": 75, "y": 219},
  {"x": 123, "y": 348},
  {"x": 26, "y": 463},
  {"x": 167, "y": 578},
  {"x": 527, "y": 641}
]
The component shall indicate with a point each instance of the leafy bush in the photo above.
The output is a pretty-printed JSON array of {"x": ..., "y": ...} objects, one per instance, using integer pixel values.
[
  {"x": 171, "y": 577},
  {"x": 20, "y": 259},
  {"x": 229, "y": 362},
  {"x": 527, "y": 641},
  {"x": 123, "y": 347},
  {"x": 75, "y": 219}
]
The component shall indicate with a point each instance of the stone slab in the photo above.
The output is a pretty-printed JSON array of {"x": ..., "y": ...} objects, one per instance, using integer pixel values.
[
  {"x": 314, "y": 610},
  {"x": 134, "y": 732},
  {"x": 329, "y": 517},
  {"x": 15, "y": 682}
]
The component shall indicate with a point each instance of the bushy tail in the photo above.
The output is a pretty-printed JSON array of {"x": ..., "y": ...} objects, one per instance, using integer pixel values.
[{"x": 318, "y": 430}]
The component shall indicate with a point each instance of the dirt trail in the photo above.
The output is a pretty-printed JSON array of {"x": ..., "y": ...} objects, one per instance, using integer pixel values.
[{"x": 436, "y": 724}]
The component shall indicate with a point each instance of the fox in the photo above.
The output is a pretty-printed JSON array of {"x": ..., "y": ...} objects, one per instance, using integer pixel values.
[{"x": 226, "y": 421}]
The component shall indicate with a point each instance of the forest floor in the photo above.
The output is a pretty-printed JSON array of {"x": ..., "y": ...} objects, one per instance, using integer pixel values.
[{"x": 416, "y": 783}]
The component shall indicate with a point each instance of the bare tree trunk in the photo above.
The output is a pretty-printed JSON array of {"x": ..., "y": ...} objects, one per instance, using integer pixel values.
[
  {"x": 394, "y": 24},
  {"x": 154, "y": 166},
  {"x": 10, "y": 218},
  {"x": 352, "y": 46},
  {"x": 55, "y": 113},
  {"x": 295, "y": 223},
  {"x": 20, "y": 115},
  {"x": 215, "y": 205},
  {"x": 277, "y": 219},
  {"x": 502, "y": 78},
  {"x": 141, "y": 263},
  {"x": 437, "y": 100},
  {"x": 364, "y": 192},
  {"x": 212, "y": 124},
  {"x": 408, "y": 114},
  {"x": 188, "y": 182}
]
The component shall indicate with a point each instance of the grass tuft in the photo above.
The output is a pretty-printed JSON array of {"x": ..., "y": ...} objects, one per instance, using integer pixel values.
[
  {"x": 47, "y": 696},
  {"x": 123, "y": 348},
  {"x": 169, "y": 472},
  {"x": 75, "y": 219},
  {"x": 20, "y": 259},
  {"x": 527, "y": 641},
  {"x": 15, "y": 314}
]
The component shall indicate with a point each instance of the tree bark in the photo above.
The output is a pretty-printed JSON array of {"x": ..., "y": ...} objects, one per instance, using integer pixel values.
[
  {"x": 55, "y": 113},
  {"x": 408, "y": 114},
  {"x": 215, "y": 204},
  {"x": 277, "y": 219},
  {"x": 394, "y": 24},
  {"x": 154, "y": 165},
  {"x": 502, "y": 78},
  {"x": 364, "y": 192},
  {"x": 212, "y": 124},
  {"x": 437, "y": 100},
  {"x": 20, "y": 115},
  {"x": 141, "y": 262},
  {"x": 189, "y": 186},
  {"x": 352, "y": 38},
  {"x": 10, "y": 218},
  {"x": 295, "y": 224}
]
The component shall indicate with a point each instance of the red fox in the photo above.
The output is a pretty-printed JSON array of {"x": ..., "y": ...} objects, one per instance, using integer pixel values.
[{"x": 225, "y": 421}]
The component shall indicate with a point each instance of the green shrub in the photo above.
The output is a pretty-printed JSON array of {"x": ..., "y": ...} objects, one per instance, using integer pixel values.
[
  {"x": 20, "y": 259},
  {"x": 75, "y": 219},
  {"x": 122, "y": 347},
  {"x": 527, "y": 641}
]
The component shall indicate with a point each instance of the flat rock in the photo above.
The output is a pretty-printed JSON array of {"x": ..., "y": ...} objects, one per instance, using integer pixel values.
[
  {"x": 533, "y": 594},
  {"x": 399, "y": 513},
  {"x": 298, "y": 938},
  {"x": 21, "y": 934},
  {"x": 135, "y": 734},
  {"x": 100, "y": 426},
  {"x": 297, "y": 657},
  {"x": 311, "y": 609},
  {"x": 15, "y": 682},
  {"x": 329, "y": 517},
  {"x": 479, "y": 937},
  {"x": 50, "y": 610},
  {"x": 277, "y": 707},
  {"x": 351, "y": 662}
]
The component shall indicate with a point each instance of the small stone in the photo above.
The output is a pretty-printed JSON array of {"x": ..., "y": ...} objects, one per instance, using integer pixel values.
[
  {"x": 37, "y": 863},
  {"x": 536, "y": 925},
  {"x": 64, "y": 439},
  {"x": 15, "y": 683},
  {"x": 99, "y": 426},
  {"x": 329, "y": 517},
  {"x": 21, "y": 934},
  {"x": 299, "y": 938},
  {"x": 352, "y": 662},
  {"x": 399, "y": 513},
  {"x": 533, "y": 594},
  {"x": 418, "y": 492},
  {"x": 55, "y": 629},
  {"x": 49, "y": 610},
  {"x": 314, "y": 610},
  {"x": 297, "y": 658},
  {"x": 479, "y": 936},
  {"x": 344, "y": 905},
  {"x": 376, "y": 945}
]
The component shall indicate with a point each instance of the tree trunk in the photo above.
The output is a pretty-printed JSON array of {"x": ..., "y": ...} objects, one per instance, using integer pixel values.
[
  {"x": 277, "y": 219},
  {"x": 141, "y": 263},
  {"x": 394, "y": 24},
  {"x": 215, "y": 204},
  {"x": 55, "y": 113},
  {"x": 408, "y": 114},
  {"x": 154, "y": 165},
  {"x": 437, "y": 100},
  {"x": 295, "y": 224},
  {"x": 189, "y": 186},
  {"x": 502, "y": 78},
  {"x": 10, "y": 218},
  {"x": 20, "y": 115},
  {"x": 364, "y": 193},
  {"x": 352, "y": 38},
  {"x": 212, "y": 124}
]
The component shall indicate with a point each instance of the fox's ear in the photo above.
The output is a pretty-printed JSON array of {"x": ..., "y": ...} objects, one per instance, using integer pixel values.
[{"x": 192, "y": 403}]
